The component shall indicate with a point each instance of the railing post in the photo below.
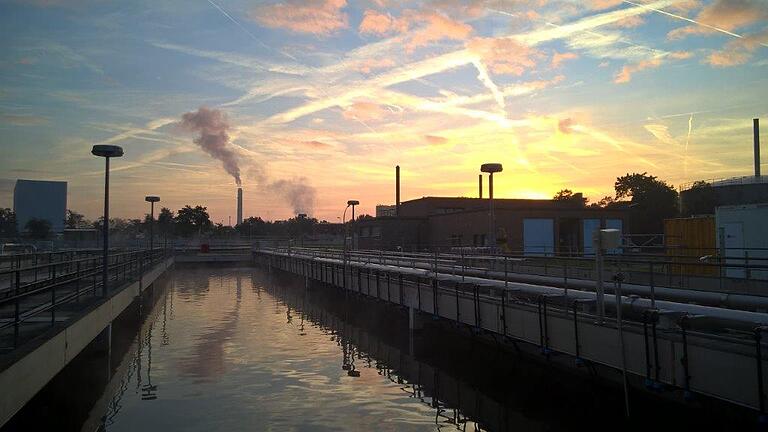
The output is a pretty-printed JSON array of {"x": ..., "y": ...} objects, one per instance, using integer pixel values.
[
  {"x": 759, "y": 359},
  {"x": 77, "y": 281},
  {"x": 506, "y": 272},
  {"x": 17, "y": 310}
]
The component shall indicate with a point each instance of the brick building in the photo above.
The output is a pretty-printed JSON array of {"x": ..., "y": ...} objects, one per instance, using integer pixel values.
[{"x": 523, "y": 225}]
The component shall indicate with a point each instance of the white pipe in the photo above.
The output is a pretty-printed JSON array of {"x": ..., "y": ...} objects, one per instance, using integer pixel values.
[{"x": 635, "y": 303}]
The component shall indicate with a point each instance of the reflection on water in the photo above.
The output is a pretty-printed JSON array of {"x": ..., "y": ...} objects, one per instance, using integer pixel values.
[
  {"x": 227, "y": 353},
  {"x": 234, "y": 349}
]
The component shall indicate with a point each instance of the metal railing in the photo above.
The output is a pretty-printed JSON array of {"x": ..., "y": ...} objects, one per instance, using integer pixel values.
[
  {"x": 16, "y": 261},
  {"x": 35, "y": 298},
  {"x": 746, "y": 274}
]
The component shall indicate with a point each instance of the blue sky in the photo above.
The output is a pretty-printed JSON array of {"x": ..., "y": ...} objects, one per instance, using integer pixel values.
[{"x": 322, "y": 98}]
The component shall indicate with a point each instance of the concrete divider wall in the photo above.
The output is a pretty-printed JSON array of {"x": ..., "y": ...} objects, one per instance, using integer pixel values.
[
  {"x": 721, "y": 367},
  {"x": 23, "y": 379}
]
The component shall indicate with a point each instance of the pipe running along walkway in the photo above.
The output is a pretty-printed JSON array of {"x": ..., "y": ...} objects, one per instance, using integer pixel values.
[{"x": 691, "y": 348}]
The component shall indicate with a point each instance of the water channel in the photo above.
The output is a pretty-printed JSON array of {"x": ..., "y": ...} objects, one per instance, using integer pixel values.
[{"x": 212, "y": 348}]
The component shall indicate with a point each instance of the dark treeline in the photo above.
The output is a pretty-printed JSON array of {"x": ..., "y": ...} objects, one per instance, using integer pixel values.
[
  {"x": 648, "y": 199},
  {"x": 187, "y": 222}
]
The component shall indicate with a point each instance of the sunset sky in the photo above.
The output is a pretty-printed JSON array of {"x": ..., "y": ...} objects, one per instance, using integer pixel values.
[{"x": 321, "y": 99}]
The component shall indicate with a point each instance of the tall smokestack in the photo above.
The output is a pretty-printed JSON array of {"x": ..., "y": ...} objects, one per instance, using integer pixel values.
[
  {"x": 239, "y": 206},
  {"x": 756, "y": 128},
  {"x": 397, "y": 190},
  {"x": 480, "y": 186}
]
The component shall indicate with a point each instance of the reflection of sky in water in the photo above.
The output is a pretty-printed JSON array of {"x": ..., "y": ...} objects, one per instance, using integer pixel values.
[{"x": 233, "y": 362}]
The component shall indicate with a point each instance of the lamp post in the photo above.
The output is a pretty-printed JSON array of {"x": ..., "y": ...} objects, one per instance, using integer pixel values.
[
  {"x": 151, "y": 200},
  {"x": 351, "y": 203},
  {"x": 107, "y": 152},
  {"x": 491, "y": 168}
]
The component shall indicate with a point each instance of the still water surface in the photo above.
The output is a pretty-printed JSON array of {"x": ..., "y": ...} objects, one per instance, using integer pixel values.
[
  {"x": 223, "y": 353},
  {"x": 236, "y": 349}
]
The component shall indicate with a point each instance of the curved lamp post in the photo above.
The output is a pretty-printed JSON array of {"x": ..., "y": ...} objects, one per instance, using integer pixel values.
[
  {"x": 351, "y": 203},
  {"x": 491, "y": 168},
  {"x": 107, "y": 152},
  {"x": 151, "y": 200}
]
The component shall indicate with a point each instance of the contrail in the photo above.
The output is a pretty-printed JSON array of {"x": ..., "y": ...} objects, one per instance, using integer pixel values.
[
  {"x": 688, "y": 19},
  {"x": 687, "y": 141},
  {"x": 237, "y": 23},
  {"x": 485, "y": 79}
]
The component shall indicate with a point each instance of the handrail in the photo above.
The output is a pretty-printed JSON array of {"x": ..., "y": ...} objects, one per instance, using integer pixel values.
[{"x": 69, "y": 285}]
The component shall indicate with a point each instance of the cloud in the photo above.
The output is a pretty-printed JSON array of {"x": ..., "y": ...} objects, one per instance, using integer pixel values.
[
  {"x": 726, "y": 15},
  {"x": 364, "y": 111},
  {"x": 435, "y": 140},
  {"x": 377, "y": 23},
  {"x": 438, "y": 27},
  {"x": 369, "y": 65},
  {"x": 318, "y": 17},
  {"x": 603, "y": 4},
  {"x": 468, "y": 8},
  {"x": 346, "y": 92},
  {"x": 504, "y": 55},
  {"x": 661, "y": 132},
  {"x": 23, "y": 120},
  {"x": 738, "y": 51},
  {"x": 625, "y": 75},
  {"x": 565, "y": 125},
  {"x": 558, "y": 59},
  {"x": 316, "y": 144},
  {"x": 629, "y": 22}
]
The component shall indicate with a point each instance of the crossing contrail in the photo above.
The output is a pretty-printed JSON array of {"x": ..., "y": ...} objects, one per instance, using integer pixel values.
[
  {"x": 663, "y": 12},
  {"x": 237, "y": 23}
]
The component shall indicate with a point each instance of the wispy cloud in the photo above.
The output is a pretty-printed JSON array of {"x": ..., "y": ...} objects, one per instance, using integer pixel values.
[{"x": 317, "y": 17}]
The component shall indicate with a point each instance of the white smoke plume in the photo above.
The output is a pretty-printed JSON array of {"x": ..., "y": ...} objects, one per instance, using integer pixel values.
[
  {"x": 212, "y": 124},
  {"x": 298, "y": 192}
]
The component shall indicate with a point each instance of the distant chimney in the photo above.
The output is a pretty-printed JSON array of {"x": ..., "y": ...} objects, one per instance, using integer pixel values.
[
  {"x": 239, "y": 206},
  {"x": 756, "y": 128},
  {"x": 480, "y": 186},
  {"x": 397, "y": 190}
]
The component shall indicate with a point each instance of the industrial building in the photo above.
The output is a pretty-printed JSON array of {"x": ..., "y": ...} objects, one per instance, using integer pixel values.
[
  {"x": 752, "y": 189},
  {"x": 40, "y": 199},
  {"x": 535, "y": 227},
  {"x": 742, "y": 235},
  {"x": 386, "y": 210}
]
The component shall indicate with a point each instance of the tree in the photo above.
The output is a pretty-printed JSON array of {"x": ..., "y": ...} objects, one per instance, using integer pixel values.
[
  {"x": 191, "y": 220},
  {"x": 252, "y": 226},
  {"x": 653, "y": 200},
  {"x": 605, "y": 202},
  {"x": 568, "y": 195},
  {"x": 165, "y": 221},
  {"x": 700, "y": 199},
  {"x": 7, "y": 223},
  {"x": 74, "y": 220},
  {"x": 39, "y": 229}
]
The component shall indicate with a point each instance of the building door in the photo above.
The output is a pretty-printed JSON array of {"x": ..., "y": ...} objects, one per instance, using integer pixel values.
[
  {"x": 732, "y": 237},
  {"x": 538, "y": 236},
  {"x": 590, "y": 225}
]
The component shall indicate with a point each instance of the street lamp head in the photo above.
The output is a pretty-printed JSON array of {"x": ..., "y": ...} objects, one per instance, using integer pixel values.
[
  {"x": 353, "y": 202},
  {"x": 104, "y": 150},
  {"x": 491, "y": 168},
  {"x": 152, "y": 198}
]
